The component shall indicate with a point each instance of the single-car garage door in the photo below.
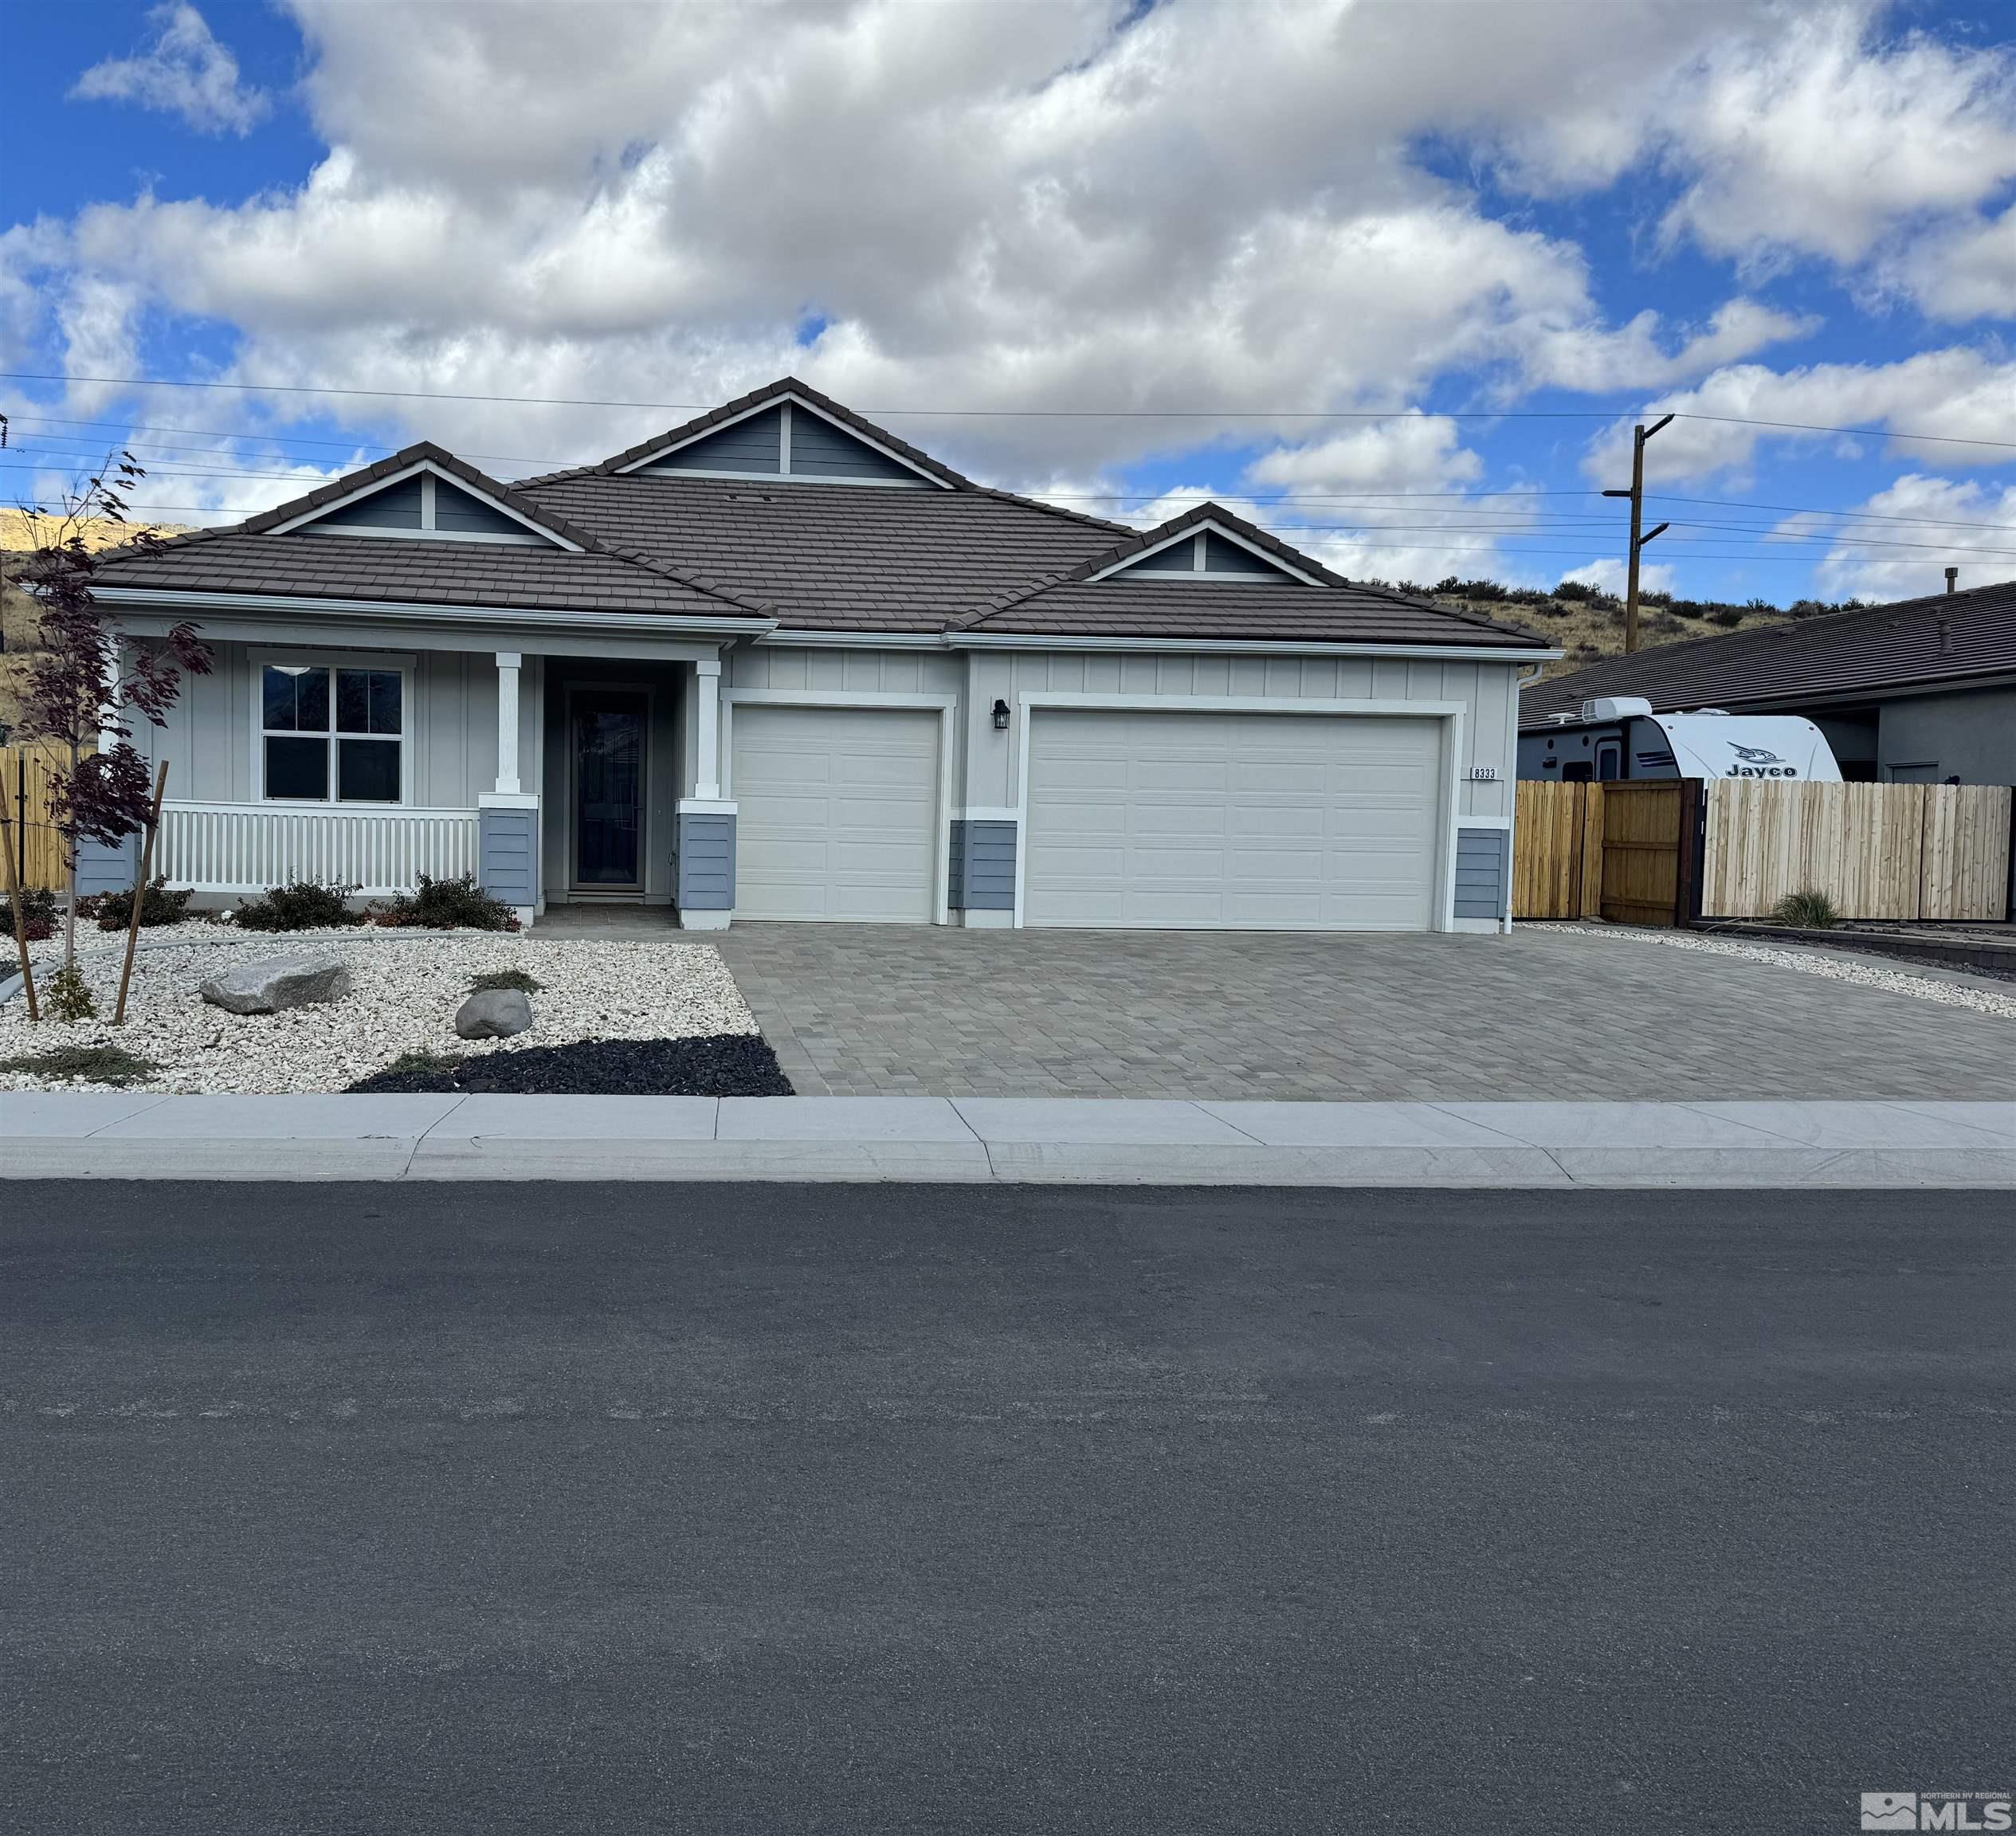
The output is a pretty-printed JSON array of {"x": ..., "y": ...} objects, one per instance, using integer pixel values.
[
  {"x": 836, "y": 813},
  {"x": 1237, "y": 821}
]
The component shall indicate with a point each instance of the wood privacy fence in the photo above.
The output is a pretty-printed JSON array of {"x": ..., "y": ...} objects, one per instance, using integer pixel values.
[
  {"x": 1558, "y": 850},
  {"x": 1907, "y": 851},
  {"x": 1669, "y": 851},
  {"x": 37, "y": 849}
]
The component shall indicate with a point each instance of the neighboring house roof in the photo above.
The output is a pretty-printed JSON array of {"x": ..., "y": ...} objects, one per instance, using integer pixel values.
[
  {"x": 1945, "y": 638},
  {"x": 813, "y": 555}
]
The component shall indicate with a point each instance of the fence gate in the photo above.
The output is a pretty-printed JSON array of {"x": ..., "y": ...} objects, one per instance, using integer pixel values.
[
  {"x": 1649, "y": 875},
  {"x": 1558, "y": 850}
]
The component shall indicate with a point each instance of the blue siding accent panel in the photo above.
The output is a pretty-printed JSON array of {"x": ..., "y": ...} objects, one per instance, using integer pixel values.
[
  {"x": 396, "y": 506},
  {"x": 703, "y": 865},
  {"x": 1483, "y": 878},
  {"x": 102, "y": 868},
  {"x": 1177, "y": 558},
  {"x": 1224, "y": 557},
  {"x": 820, "y": 450},
  {"x": 983, "y": 865},
  {"x": 508, "y": 855},
  {"x": 750, "y": 445},
  {"x": 955, "y": 868},
  {"x": 457, "y": 513}
]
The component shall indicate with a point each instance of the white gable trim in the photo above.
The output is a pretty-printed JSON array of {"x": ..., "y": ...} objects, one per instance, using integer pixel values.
[
  {"x": 1194, "y": 534},
  {"x": 428, "y": 472},
  {"x": 791, "y": 403}
]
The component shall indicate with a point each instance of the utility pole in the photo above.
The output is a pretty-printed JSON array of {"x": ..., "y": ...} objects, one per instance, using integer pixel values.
[{"x": 1639, "y": 435}]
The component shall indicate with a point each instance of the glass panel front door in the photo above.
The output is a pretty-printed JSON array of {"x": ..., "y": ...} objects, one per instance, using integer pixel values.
[{"x": 608, "y": 790}]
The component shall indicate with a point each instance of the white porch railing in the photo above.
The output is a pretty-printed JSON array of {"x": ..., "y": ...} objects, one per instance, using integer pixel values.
[{"x": 247, "y": 847}]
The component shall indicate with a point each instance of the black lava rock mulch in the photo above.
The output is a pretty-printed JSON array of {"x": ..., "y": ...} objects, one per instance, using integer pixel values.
[{"x": 720, "y": 1064}]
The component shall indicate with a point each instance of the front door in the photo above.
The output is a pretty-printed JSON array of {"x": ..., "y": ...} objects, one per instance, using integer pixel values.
[{"x": 608, "y": 743}]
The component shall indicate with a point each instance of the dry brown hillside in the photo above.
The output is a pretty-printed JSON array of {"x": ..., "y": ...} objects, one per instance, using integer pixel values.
[{"x": 20, "y": 532}]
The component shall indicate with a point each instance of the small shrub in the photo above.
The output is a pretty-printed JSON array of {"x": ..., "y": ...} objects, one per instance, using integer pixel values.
[
  {"x": 67, "y": 995},
  {"x": 301, "y": 905},
  {"x": 421, "y": 1064},
  {"x": 97, "y": 1064},
  {"x": 114, "y": 910},
  {"x": 516, "y": 979},
  {"x": 1726, "y": 616},
  {"x": 447, "y": 905},
  {"x": 1809, "y": 909},
  {"x": 38, "y": 908}
]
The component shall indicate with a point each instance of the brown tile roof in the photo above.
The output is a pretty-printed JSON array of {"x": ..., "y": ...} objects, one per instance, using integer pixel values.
[
  {"x": 1334, "y": 610},
  {"x": 815, "y": 556},
  {"x": 836, "y": 557},
  {"x": 1944, "y": 638},
  {"x": 247, "y": 557}
]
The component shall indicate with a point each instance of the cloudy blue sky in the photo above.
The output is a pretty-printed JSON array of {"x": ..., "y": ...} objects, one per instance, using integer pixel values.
[{"x": 1394, "y": 278}]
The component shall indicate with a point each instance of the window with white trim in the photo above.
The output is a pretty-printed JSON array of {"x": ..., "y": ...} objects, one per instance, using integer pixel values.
[{"x": 331, "y": 735}]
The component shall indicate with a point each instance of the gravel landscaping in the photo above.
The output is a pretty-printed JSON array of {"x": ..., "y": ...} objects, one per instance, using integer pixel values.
[
  {"x": 406, "y": 988},
  {"x": 1866, "y": 976}
]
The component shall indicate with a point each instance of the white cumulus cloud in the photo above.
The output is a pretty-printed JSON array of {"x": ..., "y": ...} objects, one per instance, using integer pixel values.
[{"x": 182, "y": 71}]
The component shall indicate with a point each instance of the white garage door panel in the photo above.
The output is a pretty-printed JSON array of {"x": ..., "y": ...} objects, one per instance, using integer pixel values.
[
  {"x": 836, "y": 813},
  {"x": 1258, "y": 821}
]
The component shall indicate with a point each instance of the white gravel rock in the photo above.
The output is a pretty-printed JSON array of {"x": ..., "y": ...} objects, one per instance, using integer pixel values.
[
  {"x": 406, "y": 988},
  {"x": 1896, "y": 981}
]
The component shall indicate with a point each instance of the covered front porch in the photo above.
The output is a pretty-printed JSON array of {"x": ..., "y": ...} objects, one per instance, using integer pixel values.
[{"x": 585, "y": 772}]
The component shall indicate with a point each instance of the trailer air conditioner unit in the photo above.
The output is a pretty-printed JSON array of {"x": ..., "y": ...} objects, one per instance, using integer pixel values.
[{"x": 1615, "y": 708}]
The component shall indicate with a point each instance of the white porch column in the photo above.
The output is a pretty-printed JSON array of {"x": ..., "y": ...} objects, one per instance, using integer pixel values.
[
  {"x": 508, "y": 666},
  {"x": 107, "y": 737},
  {"x": 707, "y": 731}
]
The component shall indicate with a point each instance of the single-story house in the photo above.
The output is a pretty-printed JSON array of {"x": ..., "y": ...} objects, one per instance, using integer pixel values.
[
  {"x": 779, "y": 664},
  {"x": 1921, "y": 691}
]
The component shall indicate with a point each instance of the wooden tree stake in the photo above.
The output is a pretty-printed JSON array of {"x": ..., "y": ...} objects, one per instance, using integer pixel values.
[
  {"x": 21, "y": 909},
  {"x": 139, "y": 890}
]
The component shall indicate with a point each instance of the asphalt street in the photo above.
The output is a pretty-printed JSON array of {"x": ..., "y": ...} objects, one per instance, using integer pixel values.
[{"x": 370, "y": 1507}]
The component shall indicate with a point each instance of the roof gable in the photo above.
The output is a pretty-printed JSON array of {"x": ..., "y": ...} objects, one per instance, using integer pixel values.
[
  {"x": 420, "y": 493},
  {"x": 1203, "y": 550},
  {"x": 787, "y": 431}
]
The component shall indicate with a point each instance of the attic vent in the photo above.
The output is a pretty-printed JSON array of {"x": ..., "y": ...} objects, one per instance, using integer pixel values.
[{"x": 751, "y": 497}]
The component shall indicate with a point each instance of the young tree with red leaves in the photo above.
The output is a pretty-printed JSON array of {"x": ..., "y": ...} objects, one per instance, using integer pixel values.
[{"x": 80, "y": 690}]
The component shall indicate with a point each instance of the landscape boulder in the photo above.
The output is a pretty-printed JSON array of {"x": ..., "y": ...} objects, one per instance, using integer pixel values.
[
  {"x": 276, "y": 982},
  {"x": 493, "y": 1013}
]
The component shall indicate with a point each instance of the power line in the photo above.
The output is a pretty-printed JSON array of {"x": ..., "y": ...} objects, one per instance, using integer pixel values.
[{"x": 1008, "y": 413}]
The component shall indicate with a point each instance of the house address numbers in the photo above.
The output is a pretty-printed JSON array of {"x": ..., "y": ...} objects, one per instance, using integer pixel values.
[{"x": 1483, "y": 774}]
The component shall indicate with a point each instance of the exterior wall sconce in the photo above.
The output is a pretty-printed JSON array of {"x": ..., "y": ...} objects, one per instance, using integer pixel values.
[{"x": 1000, "y": 716}]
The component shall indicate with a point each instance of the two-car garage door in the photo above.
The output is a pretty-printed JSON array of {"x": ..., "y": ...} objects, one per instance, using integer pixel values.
[
  {"x": 1136, "y": 819},
  {"x": 1144, "y": 819}
]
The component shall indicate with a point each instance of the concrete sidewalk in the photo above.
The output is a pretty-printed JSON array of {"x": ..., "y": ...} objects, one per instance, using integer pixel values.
[{"x": 67, "y": 1135}]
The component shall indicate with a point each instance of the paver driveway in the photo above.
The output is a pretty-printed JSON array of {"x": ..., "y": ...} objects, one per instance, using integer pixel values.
[{"x": 878, "y": 1009}]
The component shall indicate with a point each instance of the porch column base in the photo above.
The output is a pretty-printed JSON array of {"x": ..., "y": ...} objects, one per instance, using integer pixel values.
[
  {"x": 507, "y": 850},
  {"x": 981, "y": 919},
  {"x": 702, "y": 864}
]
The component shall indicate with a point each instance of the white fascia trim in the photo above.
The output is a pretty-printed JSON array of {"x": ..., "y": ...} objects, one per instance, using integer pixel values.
[
  {"x": 1039, "y": 698},
  {"x": 1483, "y": 822},
  {"x": 780, "y": 479},
  {"x": 1275, "y": 563},
  {"x": 836, "y": 698},
  {"x": 1245, "y": 647},
  {"x": 855, "y": 639},
  {"x": 427, "y": 468},
  {"x": 670, "y": 624},
  {"x": 989, "y": 813},
  {"x": 795, "y": 401}
]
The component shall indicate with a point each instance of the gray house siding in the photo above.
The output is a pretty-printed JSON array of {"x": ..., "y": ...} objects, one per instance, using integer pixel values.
[
  {"x": 820, "y": 450},
  {"x": 983, "y": 865},
  {"x": 396, "y": 506},
  {"x": 1483, "y": 884},
  {"x": 705, "y": 863},
  {"x": 1966, "y": 733},
  {"x": 102, "y": 868},
  {"x": 749, "y": 445},
  {"x": 508, "y": 855}
]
